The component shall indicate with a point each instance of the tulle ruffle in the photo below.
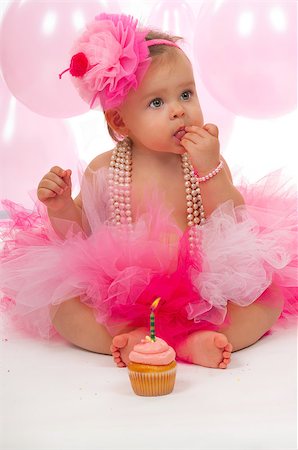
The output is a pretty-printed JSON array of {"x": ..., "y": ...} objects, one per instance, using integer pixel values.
[{"x": 244, "y": 254}]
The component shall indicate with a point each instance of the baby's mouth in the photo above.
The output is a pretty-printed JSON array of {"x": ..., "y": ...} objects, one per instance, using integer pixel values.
[{"x": 180, "y": 133}]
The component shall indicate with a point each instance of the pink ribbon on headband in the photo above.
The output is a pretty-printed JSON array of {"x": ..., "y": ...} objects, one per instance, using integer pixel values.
[{"x": 161, "y": 42}]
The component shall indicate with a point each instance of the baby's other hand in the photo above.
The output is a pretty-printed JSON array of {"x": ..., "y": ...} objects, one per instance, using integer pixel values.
[
  {"x": 212, "y": 129},
  {"x": 202, "y": 145},
  {"x": 54, "y": 189}
]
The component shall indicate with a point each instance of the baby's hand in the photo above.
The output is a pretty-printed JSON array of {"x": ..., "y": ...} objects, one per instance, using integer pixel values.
[
  {"x": 202, "y": 145},
  {"x": 54, "y": 190}
]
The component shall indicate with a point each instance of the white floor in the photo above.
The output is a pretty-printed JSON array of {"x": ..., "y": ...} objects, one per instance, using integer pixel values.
[{"x": 57, "y": 397}]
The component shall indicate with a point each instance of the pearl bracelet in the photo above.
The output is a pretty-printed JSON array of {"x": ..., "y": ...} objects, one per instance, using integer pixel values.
[{"x": 210, "y": 174}]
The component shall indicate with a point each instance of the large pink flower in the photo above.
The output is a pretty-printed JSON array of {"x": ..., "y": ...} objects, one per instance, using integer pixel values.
[{"x": 117, "y": 58}]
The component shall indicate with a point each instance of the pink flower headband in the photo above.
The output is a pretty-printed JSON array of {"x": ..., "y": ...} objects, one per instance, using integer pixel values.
[{"x": 110, "y": 58}]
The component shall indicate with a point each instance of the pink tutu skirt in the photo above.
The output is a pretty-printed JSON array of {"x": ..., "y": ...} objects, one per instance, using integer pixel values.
[{"x": 244, "y": 254}]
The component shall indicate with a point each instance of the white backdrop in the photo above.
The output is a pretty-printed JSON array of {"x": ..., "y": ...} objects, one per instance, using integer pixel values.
[{"x": 95, "y": 409}]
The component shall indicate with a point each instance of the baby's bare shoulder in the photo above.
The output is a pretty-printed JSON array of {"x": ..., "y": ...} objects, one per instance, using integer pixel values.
[{"x": 100, "y": 161}]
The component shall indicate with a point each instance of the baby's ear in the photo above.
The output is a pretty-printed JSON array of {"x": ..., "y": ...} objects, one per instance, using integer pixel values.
[{"x": 116, "y": 122}]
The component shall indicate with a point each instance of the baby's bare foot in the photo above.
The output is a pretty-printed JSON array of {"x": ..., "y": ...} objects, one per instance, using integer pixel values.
[
  {"x": 206, "y": 348},
  {"x": 124, "y": 343}
]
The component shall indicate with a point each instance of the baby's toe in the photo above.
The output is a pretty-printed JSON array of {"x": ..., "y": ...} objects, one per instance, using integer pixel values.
[
  {"x": 113, "y": 348},
  {"x": 229, "y": 347},
  {"x": 120, "y": 341},
  {"x": 221, "y": 341},
  {"x": 222, "y": 365},
  {"x": 121, "y": 364}
]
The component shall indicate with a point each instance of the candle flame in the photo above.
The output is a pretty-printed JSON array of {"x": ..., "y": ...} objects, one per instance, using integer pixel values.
[{"x": 155, "y": 304}]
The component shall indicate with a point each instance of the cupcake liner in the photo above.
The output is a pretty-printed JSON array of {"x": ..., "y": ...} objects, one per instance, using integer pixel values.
[{"x": 153, "y": 384}]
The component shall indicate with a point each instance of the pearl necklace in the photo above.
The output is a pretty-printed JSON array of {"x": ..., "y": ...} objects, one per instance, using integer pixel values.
[{"x": 120, "y": 176}]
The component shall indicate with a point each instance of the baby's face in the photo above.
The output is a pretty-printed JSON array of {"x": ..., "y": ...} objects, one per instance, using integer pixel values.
[{"x": 165, "y": 102}]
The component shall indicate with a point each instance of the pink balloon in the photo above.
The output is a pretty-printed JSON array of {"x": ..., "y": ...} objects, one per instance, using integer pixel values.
[
  {"x": 36, "y": 38},
  {"x": 29, "y": 146},
  {"x": 175, "y": 17},
  {"x": 247, "y": 55},
  {"x": 214, "y": 112}
]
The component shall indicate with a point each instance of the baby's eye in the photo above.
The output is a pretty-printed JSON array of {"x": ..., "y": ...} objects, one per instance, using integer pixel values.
[
  {"x": 156, "y": 103},
  {"x": 186, "y": 95}
]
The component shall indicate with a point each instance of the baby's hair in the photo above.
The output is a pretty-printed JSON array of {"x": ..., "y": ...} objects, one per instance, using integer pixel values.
[{"x": 155, "y": 51}]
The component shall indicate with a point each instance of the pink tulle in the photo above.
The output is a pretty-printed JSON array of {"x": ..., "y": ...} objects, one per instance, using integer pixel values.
[{"x": 246, "y": 254}]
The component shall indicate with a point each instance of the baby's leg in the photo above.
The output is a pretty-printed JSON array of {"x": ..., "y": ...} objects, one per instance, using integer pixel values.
[
  {"x": 77, "y": 324},
  {"x": 249, "y": 323},
  {"x": 246, "y": 326},
  {"x": 206, "y": 348},
  {"x": 124, "y": 343}
]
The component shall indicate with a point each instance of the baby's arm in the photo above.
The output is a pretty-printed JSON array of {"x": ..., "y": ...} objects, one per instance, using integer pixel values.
[
  {"x": 203, "y": 146},
  {"x": 54, "y": 190},
  {"x": 219, "y": 189},
  {"x": 72, "y": 212}
]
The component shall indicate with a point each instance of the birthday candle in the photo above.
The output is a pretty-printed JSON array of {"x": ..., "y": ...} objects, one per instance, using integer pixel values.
[{"x": 152, "y": 319}]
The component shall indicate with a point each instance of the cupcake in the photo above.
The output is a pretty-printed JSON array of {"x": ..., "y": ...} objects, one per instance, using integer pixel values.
[{"x": 152, "y": 367}]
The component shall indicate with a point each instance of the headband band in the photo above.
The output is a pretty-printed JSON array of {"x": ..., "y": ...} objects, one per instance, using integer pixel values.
[
  {"x": 161, "y": 42},
  {"x": 110, "y": 58}
]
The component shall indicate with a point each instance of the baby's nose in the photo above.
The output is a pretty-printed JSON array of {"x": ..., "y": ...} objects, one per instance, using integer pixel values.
[{"x": 176, "y": 112}]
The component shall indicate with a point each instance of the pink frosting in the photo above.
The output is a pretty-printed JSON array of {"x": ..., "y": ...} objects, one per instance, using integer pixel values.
[{"x": 157, "y": 353}]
